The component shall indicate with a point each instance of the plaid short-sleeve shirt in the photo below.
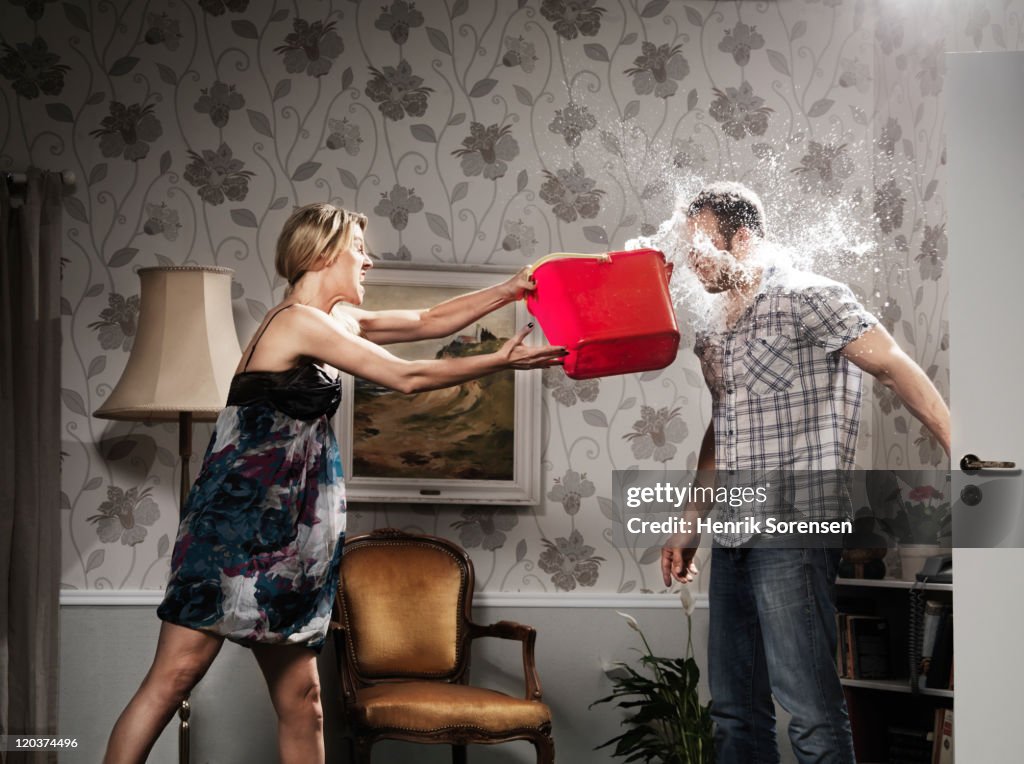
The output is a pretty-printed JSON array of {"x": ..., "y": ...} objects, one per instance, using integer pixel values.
[{"x": 785, "y": 402}]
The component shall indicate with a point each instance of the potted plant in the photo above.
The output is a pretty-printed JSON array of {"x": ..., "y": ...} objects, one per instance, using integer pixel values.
[
  {"x": 924, "y": 528},
  {"x": 921, "y": 522},
  {"x": 667, "y": 722}
]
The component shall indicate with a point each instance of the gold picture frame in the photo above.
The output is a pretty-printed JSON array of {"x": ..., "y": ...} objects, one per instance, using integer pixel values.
[{"x": 476, "y": 443}]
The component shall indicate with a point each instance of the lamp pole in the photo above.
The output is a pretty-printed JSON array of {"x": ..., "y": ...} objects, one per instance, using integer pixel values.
[{"x": 185, "y": 454}]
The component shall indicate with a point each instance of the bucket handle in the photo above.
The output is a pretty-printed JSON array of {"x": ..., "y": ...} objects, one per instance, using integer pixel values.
[{"x": 603, "y": 257}]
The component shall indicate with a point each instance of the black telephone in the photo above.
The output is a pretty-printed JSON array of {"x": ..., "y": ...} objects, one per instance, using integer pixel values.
[{"x": 937, "y": 569}]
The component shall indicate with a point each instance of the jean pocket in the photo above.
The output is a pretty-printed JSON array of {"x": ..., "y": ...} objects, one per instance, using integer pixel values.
[{"x": 769, "y": 367}]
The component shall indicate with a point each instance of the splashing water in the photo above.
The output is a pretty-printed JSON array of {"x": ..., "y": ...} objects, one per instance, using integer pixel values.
[
  {"x": 817, "y": 194},
  {"x": 820, "y": 189}
]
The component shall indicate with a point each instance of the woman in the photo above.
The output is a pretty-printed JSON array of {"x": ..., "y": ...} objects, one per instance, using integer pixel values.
[{"x": 259, "y": 545}]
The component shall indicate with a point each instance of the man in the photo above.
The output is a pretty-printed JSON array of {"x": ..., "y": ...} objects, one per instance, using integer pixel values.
[{"x": 783, "y": 364}]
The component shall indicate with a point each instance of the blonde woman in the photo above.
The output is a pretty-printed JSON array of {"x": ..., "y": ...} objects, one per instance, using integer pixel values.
[{"x": 260, "y": 540}]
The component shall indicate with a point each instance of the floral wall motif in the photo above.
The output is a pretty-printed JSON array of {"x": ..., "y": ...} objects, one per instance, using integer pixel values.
[{"x": 471, "y": 133}]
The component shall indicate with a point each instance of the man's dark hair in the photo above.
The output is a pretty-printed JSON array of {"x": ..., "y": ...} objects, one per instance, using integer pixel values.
[{"x": 734, "y": 205}]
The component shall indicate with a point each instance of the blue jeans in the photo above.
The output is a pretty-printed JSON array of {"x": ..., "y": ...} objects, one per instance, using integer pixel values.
[{"x": 773, "y": 631}]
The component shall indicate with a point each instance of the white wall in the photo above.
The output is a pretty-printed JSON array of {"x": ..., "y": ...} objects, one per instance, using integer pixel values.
[{"x": 106, "y": 650}]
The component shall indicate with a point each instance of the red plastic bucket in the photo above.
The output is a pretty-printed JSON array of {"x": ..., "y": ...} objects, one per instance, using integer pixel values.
[{"x": 613, "y": 311}]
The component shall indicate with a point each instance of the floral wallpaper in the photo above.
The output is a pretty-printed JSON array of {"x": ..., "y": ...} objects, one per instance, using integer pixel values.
[{"x": 473, "y": 134}]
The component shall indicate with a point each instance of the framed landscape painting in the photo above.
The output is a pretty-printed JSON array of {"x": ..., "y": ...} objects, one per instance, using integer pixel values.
[{"x": 475, "y": 443}]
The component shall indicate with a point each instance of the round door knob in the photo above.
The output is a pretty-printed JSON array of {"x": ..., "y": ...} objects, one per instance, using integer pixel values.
[{"x": 971, "y": 495}]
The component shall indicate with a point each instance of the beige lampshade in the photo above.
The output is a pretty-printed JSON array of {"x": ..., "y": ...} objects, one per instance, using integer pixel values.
[{"x": 186, "y": 349}]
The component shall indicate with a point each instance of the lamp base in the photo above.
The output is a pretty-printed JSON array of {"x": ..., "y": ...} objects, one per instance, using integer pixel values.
[{"x": 184, "y": 711}]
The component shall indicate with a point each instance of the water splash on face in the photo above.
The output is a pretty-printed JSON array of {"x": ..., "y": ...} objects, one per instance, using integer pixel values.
[
  {"x": 818, "y": 192},
  {"x": 832, "y": 235}
]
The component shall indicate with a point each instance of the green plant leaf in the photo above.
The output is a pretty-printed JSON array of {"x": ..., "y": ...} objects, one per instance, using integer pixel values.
[{"x": 665, "y": 719}]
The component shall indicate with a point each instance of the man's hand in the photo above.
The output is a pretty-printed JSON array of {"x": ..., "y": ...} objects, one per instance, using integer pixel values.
[{"x": 677, "y": 558}]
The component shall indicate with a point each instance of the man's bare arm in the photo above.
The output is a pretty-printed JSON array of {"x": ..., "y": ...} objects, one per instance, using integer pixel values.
[
  {"x": 877, "y": 353},
  {"x": 678, "y": 552}
]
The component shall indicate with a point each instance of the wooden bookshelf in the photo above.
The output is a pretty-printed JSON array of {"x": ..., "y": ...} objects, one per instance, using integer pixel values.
[
  {"x": 876, "y": 706},
  {"x": 894, "y": 685},
  {"x": 893, "y": 583}
]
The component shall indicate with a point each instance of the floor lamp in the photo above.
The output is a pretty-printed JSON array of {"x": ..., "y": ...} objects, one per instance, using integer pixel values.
[{"x": 185, "y": 353}]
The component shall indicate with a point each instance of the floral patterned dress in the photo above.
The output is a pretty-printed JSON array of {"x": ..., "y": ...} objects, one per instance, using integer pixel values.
[{"x": 259, "y": 545}]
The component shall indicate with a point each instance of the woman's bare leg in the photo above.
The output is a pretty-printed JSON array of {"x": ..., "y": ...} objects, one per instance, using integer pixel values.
[
  {"x": 294, "y": 684},
  {"x": 182, "y": 657}
]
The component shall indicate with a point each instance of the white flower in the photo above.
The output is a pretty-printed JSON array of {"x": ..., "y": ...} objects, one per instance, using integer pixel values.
[
  {"x": 689, "y": 603},
  {"x": 630, "y": 620}
]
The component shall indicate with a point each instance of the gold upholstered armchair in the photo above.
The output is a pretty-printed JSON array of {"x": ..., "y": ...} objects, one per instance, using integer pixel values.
[{"x": 403, "y": 633}]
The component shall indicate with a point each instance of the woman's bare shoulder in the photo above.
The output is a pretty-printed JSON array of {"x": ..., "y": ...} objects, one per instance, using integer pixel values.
[{"x": 287, "y": 334}]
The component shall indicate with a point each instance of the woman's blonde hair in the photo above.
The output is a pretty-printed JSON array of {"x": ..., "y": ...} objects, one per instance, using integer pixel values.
[{"x": 313, "y": 237}]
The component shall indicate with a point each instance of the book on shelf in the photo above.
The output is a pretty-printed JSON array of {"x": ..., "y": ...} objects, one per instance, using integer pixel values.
[
  {"x": 940, "y": 668},
  {"x": 862, "y": 646},
  {"x": 844, "y": 658},
  {"x": 942, "y": 749},
  {"x": 870, "y": 647},
  {"x": 848, "y": 655},
  {"x": 841, "y": 643},
  {"x": 910, "y": 745},
  {"x": 934, "y": 612}
]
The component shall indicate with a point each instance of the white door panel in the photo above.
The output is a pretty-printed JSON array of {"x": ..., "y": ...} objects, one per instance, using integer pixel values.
[{"x": 985, "y": 151}]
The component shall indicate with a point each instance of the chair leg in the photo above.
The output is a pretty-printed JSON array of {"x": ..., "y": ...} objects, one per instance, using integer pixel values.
[
  {"x": 362, "y": 750},
  {"x": 459, "y": 754},
  {"x": 545, "y": 746}
]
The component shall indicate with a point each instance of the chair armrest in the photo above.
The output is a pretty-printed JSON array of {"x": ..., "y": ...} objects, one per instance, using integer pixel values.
[
  {"x": 525, "y": 634},
  {"x": 348, "y": 689}
]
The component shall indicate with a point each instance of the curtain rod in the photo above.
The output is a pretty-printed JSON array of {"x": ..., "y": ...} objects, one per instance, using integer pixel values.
[{"x": 66, "y": 176}]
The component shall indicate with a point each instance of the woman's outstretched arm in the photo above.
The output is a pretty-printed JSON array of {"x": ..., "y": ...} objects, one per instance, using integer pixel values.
[
  {"x": 388, "y": 326},
  {"x": 312, "y": 333}
]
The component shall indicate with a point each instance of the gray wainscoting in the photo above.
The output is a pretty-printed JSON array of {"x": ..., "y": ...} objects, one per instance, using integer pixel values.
[{"x": 106, "y": 650}]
